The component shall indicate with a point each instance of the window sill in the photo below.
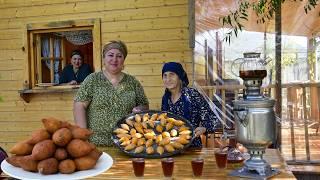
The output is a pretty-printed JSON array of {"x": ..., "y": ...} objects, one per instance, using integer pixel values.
[{"x": 25, "y": 94}]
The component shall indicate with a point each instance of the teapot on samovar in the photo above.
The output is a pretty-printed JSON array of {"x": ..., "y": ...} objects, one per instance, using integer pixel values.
[
  {"x": 252, "y": 69},
  {"x": 255, "y": 122}
]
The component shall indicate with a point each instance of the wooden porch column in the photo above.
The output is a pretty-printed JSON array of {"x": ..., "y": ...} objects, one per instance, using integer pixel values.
[
  {"x": 278, "y": 72},
  {"x": 312, "y": 63}
]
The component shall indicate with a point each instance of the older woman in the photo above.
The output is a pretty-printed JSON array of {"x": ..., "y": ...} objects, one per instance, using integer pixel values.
[
  {"x": 185, "y": 101},
  {"x": 106, "y": 96},
  {"x": 75, "y": 72}
]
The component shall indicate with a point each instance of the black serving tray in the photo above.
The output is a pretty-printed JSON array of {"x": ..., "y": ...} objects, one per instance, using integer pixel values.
[{"x": 155, "y": 154}]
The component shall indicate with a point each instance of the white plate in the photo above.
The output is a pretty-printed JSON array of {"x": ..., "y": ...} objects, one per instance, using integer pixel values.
[{"x": 104, "y": 163}]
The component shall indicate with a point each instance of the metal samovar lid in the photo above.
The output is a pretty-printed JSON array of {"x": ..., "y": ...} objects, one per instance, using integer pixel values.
[{"x": 254, "y": 103}]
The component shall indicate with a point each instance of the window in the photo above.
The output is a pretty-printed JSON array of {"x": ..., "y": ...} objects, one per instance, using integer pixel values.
[{"x": 51, "y": 44}]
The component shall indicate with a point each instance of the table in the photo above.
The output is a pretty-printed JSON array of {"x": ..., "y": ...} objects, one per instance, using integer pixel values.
[{"x": 122, "y": 167}]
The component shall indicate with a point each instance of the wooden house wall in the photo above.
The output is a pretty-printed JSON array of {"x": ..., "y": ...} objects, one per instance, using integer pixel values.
[{"x": 155, "y": 31}]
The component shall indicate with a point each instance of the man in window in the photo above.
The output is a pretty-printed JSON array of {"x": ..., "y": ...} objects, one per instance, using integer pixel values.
[{"x": 75, "y": 72}]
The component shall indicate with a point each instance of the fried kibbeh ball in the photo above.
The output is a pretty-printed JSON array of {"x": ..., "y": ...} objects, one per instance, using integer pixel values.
[
  {"x": 62, "y": 137},
  {"x": 39, "y": 135},
  {"x": 48, "y": 166},
  {"x": 61, "y": 154},
  {"x": 77, "y": 148},
  {"x": 14, "y": 160},
  {"x": 51, "y": 124},
  {"x": 21, "y": 148},
  {"x": 43, "y": 150},
  {"x": 81, "y": 133},
  {"x": 67, "y": 166},
  {"x": 85, "y": 162},
  {"x": 27, "y": 163}
]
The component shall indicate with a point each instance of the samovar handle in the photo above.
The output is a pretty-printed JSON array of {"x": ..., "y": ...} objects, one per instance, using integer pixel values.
[
  {"x": 266, "y": 61},
  {"x": 242, "y": 115}
]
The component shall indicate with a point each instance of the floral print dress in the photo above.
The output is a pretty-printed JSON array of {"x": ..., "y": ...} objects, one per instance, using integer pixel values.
[{"x": 107, "y": 104}]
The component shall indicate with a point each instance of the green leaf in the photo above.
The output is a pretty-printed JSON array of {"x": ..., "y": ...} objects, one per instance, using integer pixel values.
[
  {"x": 223, "y": 21},
  {"x": 240, "y": 26},
  {"x": 229, "y": 20},
  {"x": 244, "y": 18},
  {"x": 270, "y": 13},
  {"x": 235, "y": 17}
]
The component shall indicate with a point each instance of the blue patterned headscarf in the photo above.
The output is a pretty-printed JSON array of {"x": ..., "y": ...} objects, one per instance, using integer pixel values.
[{"x": 178, "y": 69}]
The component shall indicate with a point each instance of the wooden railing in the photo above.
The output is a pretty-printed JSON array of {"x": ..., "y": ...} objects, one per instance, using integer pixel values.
[{"x": 300, "y": 107}]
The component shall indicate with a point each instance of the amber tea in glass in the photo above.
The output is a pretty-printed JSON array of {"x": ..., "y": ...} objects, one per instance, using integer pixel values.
[
  {"x": 254, "y": 74},
  {"x": 138, "y": 166},
  {"x": 221, "y": 158},
  {"x": 167, "y": 166},
  {"x": 197, "y": 166}
]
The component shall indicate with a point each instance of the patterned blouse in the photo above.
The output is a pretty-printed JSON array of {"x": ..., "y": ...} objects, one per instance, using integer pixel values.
[
  {"x": 108, "y": 103},
  {"x": 198, "y": 111}
]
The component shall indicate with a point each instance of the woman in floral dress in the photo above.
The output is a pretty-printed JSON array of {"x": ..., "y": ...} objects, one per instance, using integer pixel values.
[{"x": 106, "y": 96}]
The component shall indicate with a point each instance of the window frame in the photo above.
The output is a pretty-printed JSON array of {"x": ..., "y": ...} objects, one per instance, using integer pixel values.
[{"x": 32, "y": 29}]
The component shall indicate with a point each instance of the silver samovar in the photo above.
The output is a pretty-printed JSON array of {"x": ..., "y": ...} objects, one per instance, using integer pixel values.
[{"x": 255, "y": 121}]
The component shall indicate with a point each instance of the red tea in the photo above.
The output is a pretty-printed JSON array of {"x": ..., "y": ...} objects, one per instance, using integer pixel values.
[
  {"x": 253, "y": 74},
  {"x": 197, "y": 166},
  {"x": 138, "y": 166},
  {"x": 167, "y": 166},
  {"x": 221, "y": 159}
]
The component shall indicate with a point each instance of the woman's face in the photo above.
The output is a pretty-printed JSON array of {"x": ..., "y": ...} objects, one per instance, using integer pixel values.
[
  {"x": 171, "y": 80},
  {"x": 76, "y": 61},
  {"x": 113, "y": 60}
]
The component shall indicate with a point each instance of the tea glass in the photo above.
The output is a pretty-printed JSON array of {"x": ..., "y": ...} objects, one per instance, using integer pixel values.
[
  {"x": 138, "y": 165},
  {"x": 221, "y": 158},
  {"x": 197, "y": 166},
  {"x": 167, "y": 166}
]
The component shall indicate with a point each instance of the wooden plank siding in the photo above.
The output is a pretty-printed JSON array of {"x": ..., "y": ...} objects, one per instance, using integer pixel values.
[{"x": 155, "y": 31}]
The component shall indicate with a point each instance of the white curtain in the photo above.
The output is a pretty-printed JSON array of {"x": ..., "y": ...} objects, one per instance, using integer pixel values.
[
  {"x": 45, "y": 46},
  {"x": 57, "y": 50},
  {"x": 46, "y": 52}
]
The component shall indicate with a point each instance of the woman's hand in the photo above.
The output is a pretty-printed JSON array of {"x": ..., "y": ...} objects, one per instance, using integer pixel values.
[
  {"x": 139, "y": 109},
  {"x": 136, "y": 109},
  {"x": 199, "y": 130},
  {"x": 73, "y": 82}
]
